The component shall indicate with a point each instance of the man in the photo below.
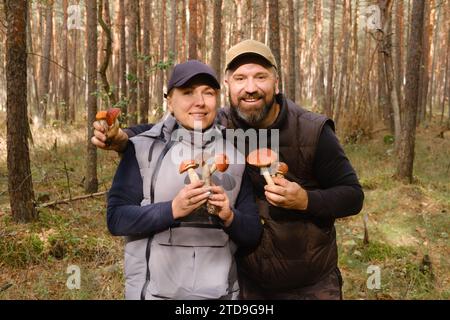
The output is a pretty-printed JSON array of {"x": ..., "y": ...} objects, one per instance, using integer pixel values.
[{"x": 297, "y": 255}]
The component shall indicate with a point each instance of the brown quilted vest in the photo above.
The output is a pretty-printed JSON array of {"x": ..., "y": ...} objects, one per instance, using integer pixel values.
[{"x": 296, "y": 248}]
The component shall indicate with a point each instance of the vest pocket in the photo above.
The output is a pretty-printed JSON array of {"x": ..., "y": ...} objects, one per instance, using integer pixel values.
[{"x": 192, "y": 267}]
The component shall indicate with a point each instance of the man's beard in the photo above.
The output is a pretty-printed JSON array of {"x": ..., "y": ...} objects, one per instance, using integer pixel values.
[{"x": 253, "y": 118}]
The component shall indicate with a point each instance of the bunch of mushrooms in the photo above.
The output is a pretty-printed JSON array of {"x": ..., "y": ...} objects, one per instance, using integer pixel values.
[{"x": 220, "y": 164}]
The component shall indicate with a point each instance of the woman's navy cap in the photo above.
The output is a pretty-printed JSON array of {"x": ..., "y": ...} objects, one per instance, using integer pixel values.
[{"x": 184, "y": 72}]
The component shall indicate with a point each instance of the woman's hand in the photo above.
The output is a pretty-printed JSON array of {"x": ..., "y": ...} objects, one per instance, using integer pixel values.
[
  {"x": 189, "y": 198},
  {"x": 219, "y": 199}
]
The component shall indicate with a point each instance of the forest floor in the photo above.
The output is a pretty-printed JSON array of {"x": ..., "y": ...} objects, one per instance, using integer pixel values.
[{"x": 408, "y": 224}]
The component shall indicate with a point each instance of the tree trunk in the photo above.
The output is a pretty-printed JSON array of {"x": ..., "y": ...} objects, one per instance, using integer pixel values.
[
  {"x": 144, "y": 93},
  {"x": 239, "y": 29},
  {"x": 406, "y": 147},
  {"x": 291, "y": 83},
  {"x": 274, "y": 36},
  {"x": 20, "y": 184},
  {"x": 317, "y": 58},
  {"x": 123, "y": 56},
  {"x": 173, "y": 28},
  {"x": 217, "y": 39},
  {"x": 343, "y": 74},
  {"x": 399, "y": 55},
  {"x": 45, "y": 64},
  {"x": 91, "y": 182},
  {"x": 330, "y": 94},
  {"x": 388, "y": 65},
  {"x": 131, "y": 21},
  {"x": 105, "y": 23},
  {"x": 32, "y": 59},
  {"x": 73, "y": 105},
  {"x": 434, "y": 57},
  {"x": 426, "y": 58},
  {"x": 183, "y": 32},
  {"x": 446, "y": 89},
  {"x": 160, "y": 72},
  {"x": 65, "y": 63},
  {"x": 193, "y": 35}
]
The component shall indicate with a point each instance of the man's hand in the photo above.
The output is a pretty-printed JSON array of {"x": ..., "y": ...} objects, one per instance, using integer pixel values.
[
  {"x": 189, "y": 198},
  {"x": 220, "y": 199},
  {"x": 286, "y": 194},
  {"x": 116, "y": 142}
]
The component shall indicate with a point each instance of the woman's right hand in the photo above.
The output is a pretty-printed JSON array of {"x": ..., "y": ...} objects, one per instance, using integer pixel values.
[
  {"x": 189, "y": 198},
  {"x": 117, "y": 141}
]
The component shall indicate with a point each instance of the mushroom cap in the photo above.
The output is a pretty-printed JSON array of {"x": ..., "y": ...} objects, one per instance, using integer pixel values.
[
  {"x": 263, "y": 157},
  {"x": 111, "y": 115},
  {"x": 282, "y": 168},
  {"x": 101, "y": 115},
  {"x": 221, "y": 161},
  {"x": 187, "y": 164}
]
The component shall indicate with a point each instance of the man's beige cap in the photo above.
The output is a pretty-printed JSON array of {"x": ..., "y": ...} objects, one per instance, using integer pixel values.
[{"x": 249, "y": 47}]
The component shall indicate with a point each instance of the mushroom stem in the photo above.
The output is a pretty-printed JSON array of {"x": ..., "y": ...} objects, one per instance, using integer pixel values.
[
  {"x": 193, "y": 175},
  {"x": 267, "y": 176},
  {"x": 212, "y": 169},
  {"x": 206, "y": 175}
]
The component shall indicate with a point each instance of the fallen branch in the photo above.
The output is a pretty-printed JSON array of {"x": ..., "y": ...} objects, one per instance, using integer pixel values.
[
  {"x": 5, "y": 287},
  {"x": 85, "y": 196}
]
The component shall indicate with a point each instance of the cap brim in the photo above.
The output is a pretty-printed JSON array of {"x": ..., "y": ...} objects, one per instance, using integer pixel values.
[
  {"x": 183, "y": 81},
  {"x": 249, "y": 54}
]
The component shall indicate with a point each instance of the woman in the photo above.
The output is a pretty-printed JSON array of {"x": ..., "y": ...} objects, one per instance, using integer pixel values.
[{"x": 174, "y": 248}]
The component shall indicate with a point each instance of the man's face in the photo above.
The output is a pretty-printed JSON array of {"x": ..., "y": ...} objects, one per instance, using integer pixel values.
[{"x": 252, "y": 89}]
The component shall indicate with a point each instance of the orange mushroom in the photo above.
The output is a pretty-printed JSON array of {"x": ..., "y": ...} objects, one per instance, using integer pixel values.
[
  {"x": 220, "y": 163},
  {"x": 109, "y": 120},
  {"x": 263, "y": 158},
  {"x": 189, "y": 166},
  {"x": 281, "y": 169}
]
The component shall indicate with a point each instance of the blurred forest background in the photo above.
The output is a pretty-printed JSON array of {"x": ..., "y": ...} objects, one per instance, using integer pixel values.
[{"x": 379, "y": 68}]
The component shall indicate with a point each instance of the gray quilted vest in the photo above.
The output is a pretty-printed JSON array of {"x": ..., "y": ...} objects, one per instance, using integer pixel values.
[{"x": 195, "y": 258}]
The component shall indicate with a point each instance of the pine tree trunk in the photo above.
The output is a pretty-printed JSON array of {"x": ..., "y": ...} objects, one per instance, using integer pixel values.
[
  {"x": 144, "y": 93},
  {"x": 183, "y": 34},
  {"x": 291, "y": 83},
  {"x": 131, "y": 22},
  {"x": 73, "y": 105},
  {"x": 399, "y": 55},
  {"x": 329, "y": 94},
  {"x": 426, "y": 58},
  {"x": 217, "y": 39},
  {"x": 343, "y": 74},
  {"x": 193, "y": 35},
  {"x": 173, "y": 27},
  {"x": 65, "y": 63},
  {"x": 32, "y": 59},
  {"x": 160, "y": 72},
  {"x": 45, "y": 64},
  {"x": 123, "y": 55},
  {"x": 91, "y": 182},
  {"x": 434, "y": 57},
  {"x": 406, "y": 146},
  {"x": 274, "y": 37},
  {"x": 20, "y": 184}
]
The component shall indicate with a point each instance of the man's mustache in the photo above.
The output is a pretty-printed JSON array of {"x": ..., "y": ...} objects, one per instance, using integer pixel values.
[{"x": 251, "y": 96}]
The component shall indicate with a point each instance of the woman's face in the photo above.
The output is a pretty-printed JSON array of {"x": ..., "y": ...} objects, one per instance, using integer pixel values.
[{"x": 195, "y": 106}]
